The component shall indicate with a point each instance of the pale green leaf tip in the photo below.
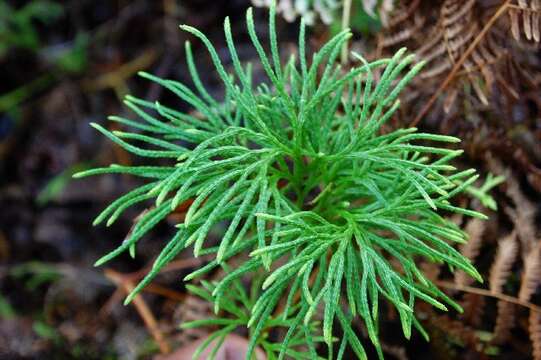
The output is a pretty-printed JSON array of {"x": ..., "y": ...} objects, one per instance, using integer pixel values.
[
  {"x": 409, "y": 58},
  {"x": 421, "y": 64},
  {"x": 100, "y": 262},
  {"x": 129, "y": 299},
  {"x": 478, "y": 277}
]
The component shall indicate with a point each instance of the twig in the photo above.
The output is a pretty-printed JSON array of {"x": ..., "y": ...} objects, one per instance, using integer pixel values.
[
  {"x": 172, "y": 266},
  {"x": 124, "y": 283},
  {"x": 114, "y": 299},
  {"x": 165, "y": 292},
  {"x": 483, "y": 292},
  {"x": 117, "y": 78},
  {"x": 142, "y": 308},
  {"x": 501, "y": 10}
]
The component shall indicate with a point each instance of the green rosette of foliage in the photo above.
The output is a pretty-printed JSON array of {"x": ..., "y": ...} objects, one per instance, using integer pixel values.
[{"x": 296, "y": 173}]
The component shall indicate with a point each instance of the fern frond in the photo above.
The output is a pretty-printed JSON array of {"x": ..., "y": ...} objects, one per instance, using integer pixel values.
[
  {"x": 532, "y": 273},
  {"x": 505, "y": 321},
  {"x": 499, "y": 273},
  {"x": 525, "y": 17},
  {"x": 470, "y": 250},
  {"x": 534, "y": 329},
  {"x": 501, "y": 267}
]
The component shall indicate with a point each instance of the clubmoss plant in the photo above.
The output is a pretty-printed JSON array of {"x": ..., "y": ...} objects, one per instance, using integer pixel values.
[{"x": 296, "y": 173}]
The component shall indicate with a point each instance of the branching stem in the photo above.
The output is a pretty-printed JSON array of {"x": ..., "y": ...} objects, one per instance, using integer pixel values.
[{"x": 346, "y": 18}]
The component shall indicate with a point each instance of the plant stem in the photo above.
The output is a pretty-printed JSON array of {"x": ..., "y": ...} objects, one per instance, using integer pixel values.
[
  {"x": 298, "y": 170},
  {"x": 346, "y": 15}
]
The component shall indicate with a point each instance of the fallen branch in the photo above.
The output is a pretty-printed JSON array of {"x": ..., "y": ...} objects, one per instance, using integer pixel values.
[
  {"x": 483, "y": 292},
  {"x": 142, "y": 308}
]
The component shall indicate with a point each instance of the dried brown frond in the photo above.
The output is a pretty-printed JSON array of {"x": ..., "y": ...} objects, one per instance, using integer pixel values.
[
  {"x": 431, "y": 270},
  {"x": 525, "y": 17},
  {"x": 522, "y": 215},
  {"x": 534, "y": 329},
  {"x": 458, "y": 26},
  {"x": 404, "y": 24},
  {"x": 454, "y": 329},
  {"x": 474, "y": 229},
  {"x": 402, "y": 13},
  {"x": 503, "y": 262},
  {"x": 466, "y": 44},
  {"x": 458, "y": 23},
  {"x": 473, "y": 306},
  {"x": 530, "y": 281},
  {"x": 505, "y": 321},
  {"x": 193, "y": 308},
  {"x": 531, "y": 276},
  {"x": 397, "y": 352}
]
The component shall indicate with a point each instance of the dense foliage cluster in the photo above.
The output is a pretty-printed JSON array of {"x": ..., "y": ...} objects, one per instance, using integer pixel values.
[{"x": 297, "y": 173}]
